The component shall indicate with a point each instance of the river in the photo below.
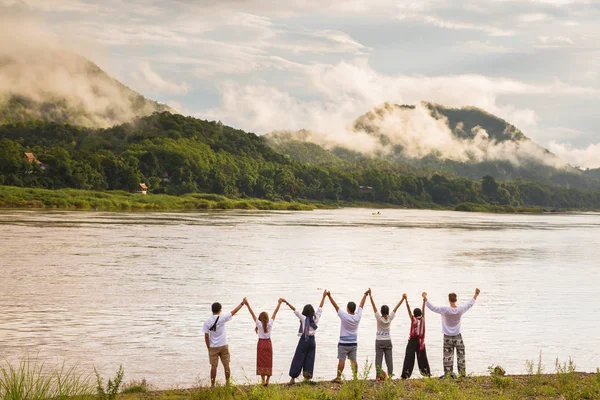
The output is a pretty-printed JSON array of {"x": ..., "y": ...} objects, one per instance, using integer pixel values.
[{"x": 103, "y": 289}]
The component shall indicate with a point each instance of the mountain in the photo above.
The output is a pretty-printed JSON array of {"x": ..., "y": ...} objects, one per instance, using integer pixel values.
[
  {"x": 467, "y": 142},
  {"x": 64, "y": 87},
  {"x": 174, "y": 154}
]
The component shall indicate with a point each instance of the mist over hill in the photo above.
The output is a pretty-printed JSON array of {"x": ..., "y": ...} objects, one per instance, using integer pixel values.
[
  {"x": 463, "y": 141},
  {"x": 61, "y": 86}
]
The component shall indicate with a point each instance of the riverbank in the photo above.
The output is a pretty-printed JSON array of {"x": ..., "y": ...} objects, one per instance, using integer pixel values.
[
  {"x": 562, "y": 385},
  {"x": 75, "y": 199}
]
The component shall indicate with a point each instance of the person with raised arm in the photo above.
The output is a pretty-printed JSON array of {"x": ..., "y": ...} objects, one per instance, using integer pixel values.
[
  {"x": 264, "y": 348},
  {"x": 216, "y": 340},
  {"x": 416, "y": 342},
  {"x": 451, "y": 328},
  {"x": 348, "y": 344},
  {"x": 383, "y": 340},
  {"x": 304, "y": 357}
]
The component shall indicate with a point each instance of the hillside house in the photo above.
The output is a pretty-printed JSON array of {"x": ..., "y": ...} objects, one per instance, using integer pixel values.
[
  {"x": 31, "y": 158},
  {"x": 143, "y": 189},
  {"x": 365, "y": 188}
]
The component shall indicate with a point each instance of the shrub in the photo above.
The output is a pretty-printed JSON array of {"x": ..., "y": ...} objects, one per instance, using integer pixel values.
[{"x": 112, "y": 386}]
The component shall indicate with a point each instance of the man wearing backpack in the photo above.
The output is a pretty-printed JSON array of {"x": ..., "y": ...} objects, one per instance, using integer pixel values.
[{"x": 215, "y": 337}]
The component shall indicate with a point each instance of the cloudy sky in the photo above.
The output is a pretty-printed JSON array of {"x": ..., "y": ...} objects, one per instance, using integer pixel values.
[{"x": 265, "y": 65}]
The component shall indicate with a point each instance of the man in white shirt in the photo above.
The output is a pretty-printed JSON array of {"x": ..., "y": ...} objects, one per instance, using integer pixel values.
[
  {"x": 216, "y": 340},
  {"x": 451, "y": 318},
  {"x": 348, "y": 344}
]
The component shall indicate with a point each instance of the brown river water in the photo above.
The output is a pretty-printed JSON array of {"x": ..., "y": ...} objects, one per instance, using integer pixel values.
[{"x": 103, "y": 289}]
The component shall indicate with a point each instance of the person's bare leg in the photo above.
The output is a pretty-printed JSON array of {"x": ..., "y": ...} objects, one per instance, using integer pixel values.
[
  {"x": 213, "y": 376},
  {"x": 227, "y": 374},
  {"x": 268, "y": 379},
  {"x": 340, "y": 369}
]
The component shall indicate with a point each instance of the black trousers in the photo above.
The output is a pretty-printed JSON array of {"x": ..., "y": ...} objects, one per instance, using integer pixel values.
[
  {"x": 412, "y": 349},
  {"x": 304, "y": 358}
]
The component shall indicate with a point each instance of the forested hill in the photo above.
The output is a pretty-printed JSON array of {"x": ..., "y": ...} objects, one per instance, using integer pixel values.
[
  {"x": 176, "y": 155},
  {"x": 64, "y": 87},
  {"x": 465, "y": 142}
]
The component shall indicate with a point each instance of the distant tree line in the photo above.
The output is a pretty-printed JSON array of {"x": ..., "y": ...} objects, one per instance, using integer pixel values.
[{"x": 174, "y": 154}]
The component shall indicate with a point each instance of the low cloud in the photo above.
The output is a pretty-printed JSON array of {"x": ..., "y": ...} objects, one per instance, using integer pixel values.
[
  {"x": 348, "y": 90},
  {"x": 34, "y": 68},
  {"x": 153, "y": 82},
  {"x": 586, "y": 157}
]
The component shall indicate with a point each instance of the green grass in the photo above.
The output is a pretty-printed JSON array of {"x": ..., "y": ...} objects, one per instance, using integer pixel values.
[
  {"x": 556, "y": 386},
  {"x": 74, "y": 199},
  {"x": 17, "y": 197},
  {"x": 32, "y": 380},
  {"x": 491, "y": 208}
]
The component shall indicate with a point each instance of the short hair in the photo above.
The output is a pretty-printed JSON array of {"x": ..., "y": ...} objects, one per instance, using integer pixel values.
[
  {"x": 452, "y": 297},
  {"x": 385, "y": 311},
  {"x": 351, "y": 306},
  {"x": 417, "y": 312},
  {"x": 216, "y": 307}
]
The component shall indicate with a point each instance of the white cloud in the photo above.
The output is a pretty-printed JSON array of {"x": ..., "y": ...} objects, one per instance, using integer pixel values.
[
  {"x": 153, "y": 82},
  {"x": 533, "y": 17},
  {"x": 348, "y": 89},
  {"x": 587, "y": 157},
  {"x": 484, "y": 47},
  {"x": 555, "y": 41},
  {"x": 459, "y": 25}
]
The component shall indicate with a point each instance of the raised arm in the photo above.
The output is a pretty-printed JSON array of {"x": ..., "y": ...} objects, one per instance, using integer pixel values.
[
  {"x": 289, "y": 305},
  {"x": 325, "y": 292},
  {"x": 277, "y": 308},
  {"x": 410, "y": 314},
  {"x": 423, "y": 308},
  {"x": 239, "y": 307},
  {"x": 435, "y": 309},
  {"x": 399, "y": 304},
  {"x": 477, "y": 291},
  {"x": 364, "y": 299},
  {"x": 333, "y": 303},
  {"x": 372, "y": 301},
  {"x": 250, "y": 309}
]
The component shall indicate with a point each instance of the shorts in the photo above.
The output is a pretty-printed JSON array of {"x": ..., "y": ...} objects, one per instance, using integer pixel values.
[
  {"x": 347, "y": 351},
  {"x": 222, "y": 352}
]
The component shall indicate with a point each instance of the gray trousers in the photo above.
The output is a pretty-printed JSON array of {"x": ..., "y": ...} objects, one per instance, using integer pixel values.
[
  {"x": 451, "y": 343},
  {"x": 383, "y": 348}
]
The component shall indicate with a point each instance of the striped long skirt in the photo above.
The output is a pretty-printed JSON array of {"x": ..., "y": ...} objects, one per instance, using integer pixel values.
[{"x": 264, "y": 357}]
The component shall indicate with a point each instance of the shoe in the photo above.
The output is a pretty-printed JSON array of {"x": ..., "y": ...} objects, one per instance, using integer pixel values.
[
  {"x": 450, "y": 375},
  {"x": 336, "y": 380}
]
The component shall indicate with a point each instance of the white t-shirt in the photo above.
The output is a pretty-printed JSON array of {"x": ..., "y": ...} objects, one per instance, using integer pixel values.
[
  {"x": 218, "y": 337},
  {"x": 451, "y": 316},
  {"x": 261, "y": 332},
  {"x": 349, "y": 326},
  {"x": 383, "y": 326}
]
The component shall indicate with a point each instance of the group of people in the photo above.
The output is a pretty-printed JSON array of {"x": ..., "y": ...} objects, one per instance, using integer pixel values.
[{"x": 304, "y": 356}]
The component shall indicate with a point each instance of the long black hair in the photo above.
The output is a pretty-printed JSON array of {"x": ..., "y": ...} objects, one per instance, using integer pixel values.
[{"x": 309, "y": 312}]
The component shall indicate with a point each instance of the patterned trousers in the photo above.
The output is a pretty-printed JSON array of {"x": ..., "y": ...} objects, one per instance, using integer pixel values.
[{"x": 451, "y": 343}]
